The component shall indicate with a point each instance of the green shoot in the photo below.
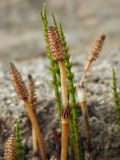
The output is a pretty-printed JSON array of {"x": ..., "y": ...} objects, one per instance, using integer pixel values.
[
  {"x": 116, "y": 96},
  {"x": 19, "y": 148},
  {"x": 53, "y": 64}
]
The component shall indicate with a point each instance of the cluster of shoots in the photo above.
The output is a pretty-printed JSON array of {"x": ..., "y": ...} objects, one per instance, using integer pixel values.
[{"x": 65, "y": 96}]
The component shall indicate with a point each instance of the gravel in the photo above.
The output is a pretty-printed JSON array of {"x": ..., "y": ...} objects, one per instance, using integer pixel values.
[{"x": 105, "y": 133}]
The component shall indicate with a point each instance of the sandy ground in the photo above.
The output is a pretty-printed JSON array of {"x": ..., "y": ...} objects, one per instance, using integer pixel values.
[{"x": 21, "y": 34}]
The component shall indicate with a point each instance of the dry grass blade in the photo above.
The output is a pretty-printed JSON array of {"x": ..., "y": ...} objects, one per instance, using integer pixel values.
[
  {"x": 95, "y": 51},
  {"x": 18, "y": 83},
  {"x": 10, "y": 149}
]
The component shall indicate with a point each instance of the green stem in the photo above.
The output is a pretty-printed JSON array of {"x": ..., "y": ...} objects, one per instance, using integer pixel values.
[
  {"x": 116, "y": 96},
  {"x": 19, "y": 148},
  {"x": 53, "y": 64}
]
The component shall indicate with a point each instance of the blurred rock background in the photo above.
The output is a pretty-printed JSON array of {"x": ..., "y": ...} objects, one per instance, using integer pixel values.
[{"x": 21, "y": 36}]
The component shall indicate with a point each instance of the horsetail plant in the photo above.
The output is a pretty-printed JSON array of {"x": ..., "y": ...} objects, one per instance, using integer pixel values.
[
  {"x": 116, "y": 95},
  {"x": 33, "y": 101},
  {"x": 71, "y": 125},
  {"x": 68, "y": 64},
  {"x": 74, "y": 136},
  {"x": 22, "y": 92},
  {"x": 72, "y": 98},
  {"x": 94, "y": 53},
  {"x": 81, "y": 91},
  {"x": 53, "y": 64},
  {"x": 57, "y": 51},
  {"x": 19, "y": 148},
  {"x": 69, "y": 76}
]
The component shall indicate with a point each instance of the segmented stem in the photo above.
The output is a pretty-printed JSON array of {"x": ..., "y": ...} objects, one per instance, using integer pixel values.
[
  {"x": 53, "y": 64},
  {"x": 19, "y": 148}
]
